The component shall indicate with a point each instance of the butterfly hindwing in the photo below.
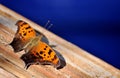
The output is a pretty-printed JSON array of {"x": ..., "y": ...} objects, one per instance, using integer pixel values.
[{"x": 41, "y": 54}]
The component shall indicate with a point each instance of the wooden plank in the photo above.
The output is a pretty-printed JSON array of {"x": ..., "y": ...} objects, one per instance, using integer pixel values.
[
  {"x": 5, "y": 74},
  {"x": 79, "y": 63}
]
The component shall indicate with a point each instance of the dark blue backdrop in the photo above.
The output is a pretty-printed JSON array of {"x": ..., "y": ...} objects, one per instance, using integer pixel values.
[{"x": 93, "y": 25}]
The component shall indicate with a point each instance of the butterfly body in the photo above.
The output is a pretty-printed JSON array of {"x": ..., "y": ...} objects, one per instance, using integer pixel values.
[{"x": 36, "y": 51}]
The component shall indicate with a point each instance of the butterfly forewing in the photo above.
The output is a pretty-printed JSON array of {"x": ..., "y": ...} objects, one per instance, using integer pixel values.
[{"x": 23, "y": 35}]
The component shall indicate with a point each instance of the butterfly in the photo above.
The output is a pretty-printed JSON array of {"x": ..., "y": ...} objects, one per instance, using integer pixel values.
[{"x": 36, "y": 51}]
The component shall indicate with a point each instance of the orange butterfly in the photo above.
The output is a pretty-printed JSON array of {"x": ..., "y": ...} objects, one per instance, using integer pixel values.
[{"x": 37, "y": 51}]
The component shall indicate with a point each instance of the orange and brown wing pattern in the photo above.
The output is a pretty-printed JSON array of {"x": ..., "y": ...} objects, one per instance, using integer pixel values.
[
  {"x": 41, "y": 54},
  {"x": 37, "y": 52},
  {"x": 24, "y": 33}
]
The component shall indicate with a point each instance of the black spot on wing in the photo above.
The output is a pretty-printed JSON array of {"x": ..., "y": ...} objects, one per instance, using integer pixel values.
[
  {"x": 55, "y": 57},
  {"x": 24, "y": 23},
  {"x": 47, "y": 56},
  {"x": 44, "y": 54},
  {"x": 44, "y": 48},
  {"x": 28, "y": 27},
  {"x": 37, "y": 53},
  {"x": 25, "y": 34},
  {"x": 28, "y": 31},
  {"x": 49, "y": 51},
  {"x": 31, "y": 30},
  {"x": 40, "y": 57},
  {"x": 41, "y": 52},
  {"x": 23, "y": 31}
]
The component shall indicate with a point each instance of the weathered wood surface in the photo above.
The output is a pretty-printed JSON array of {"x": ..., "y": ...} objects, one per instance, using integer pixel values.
[{"x": 79, "y": 63}]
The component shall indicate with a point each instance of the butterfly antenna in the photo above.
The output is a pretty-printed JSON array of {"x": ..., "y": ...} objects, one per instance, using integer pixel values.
[{"x": 48, "y": 25}]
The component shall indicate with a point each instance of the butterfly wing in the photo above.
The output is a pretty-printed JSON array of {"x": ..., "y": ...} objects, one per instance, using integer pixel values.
[
  {"x": 24, "y": 33},
  {"x": 41, "y": 54}
]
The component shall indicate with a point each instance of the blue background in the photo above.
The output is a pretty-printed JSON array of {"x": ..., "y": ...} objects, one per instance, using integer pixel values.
[{"x": 93, "y": 25}]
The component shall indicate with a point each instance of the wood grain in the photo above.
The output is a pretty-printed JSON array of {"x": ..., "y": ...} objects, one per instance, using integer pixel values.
[{"x": 79, "y": 63}]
